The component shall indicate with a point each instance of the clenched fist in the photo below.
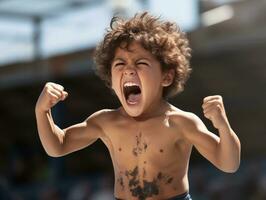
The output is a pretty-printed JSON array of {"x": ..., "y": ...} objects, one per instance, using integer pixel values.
[
  {"x": 51, "y": 94},
  {"x": 213, "y": 109}
]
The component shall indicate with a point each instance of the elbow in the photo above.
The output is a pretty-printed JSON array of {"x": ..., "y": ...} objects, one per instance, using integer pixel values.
[
  {"x": 54, "y": 153},
  {"x": 230, "y": 168}
]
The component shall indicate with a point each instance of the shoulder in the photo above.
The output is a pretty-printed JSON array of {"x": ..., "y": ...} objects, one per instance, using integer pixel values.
[
  {"x": 189, "y": 125},
  {"x": 185, "y": 121},
  {"x": 102, "y": 115},
  {"x": 98, "y": 121}
]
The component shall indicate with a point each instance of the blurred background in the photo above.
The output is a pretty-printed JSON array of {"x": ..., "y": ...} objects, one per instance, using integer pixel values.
[{"x": 54, "y": 40}]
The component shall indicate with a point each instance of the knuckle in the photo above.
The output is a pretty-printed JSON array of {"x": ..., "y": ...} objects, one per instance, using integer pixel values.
[
  {"x": 48, "y": 84},
  {"x": 60, "y": 87},
  {"x": 47, "y": 90}
]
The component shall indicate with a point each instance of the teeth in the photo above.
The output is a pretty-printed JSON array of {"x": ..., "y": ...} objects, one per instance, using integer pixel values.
[{"x": 127, "y": 84}]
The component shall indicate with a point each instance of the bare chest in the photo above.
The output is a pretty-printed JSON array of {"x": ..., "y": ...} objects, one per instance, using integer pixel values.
[{"x": 154, "y": 146}]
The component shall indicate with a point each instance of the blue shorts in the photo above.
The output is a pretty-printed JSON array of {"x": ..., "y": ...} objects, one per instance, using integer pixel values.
[{"x": 185, "y": 196}]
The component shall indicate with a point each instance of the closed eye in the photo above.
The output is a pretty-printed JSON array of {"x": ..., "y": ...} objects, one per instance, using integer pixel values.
[
  {"x": 142, "y": 63},
  {"x": 118, "y": 64}
]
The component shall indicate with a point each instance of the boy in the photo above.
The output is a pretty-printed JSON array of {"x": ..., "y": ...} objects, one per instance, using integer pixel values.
[{"x": 144, "y": 60}]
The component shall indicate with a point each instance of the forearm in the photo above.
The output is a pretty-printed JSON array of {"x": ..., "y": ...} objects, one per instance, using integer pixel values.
[
  {"x": 229, "y": 149},
  {"x": 51, "y": 136}
]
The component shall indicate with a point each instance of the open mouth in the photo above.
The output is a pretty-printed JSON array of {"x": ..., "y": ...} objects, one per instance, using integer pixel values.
[{"x": 132, "y": 92}]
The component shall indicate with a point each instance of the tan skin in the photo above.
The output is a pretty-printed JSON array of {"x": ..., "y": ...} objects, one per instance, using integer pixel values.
[{"x": 150, "y": 143}]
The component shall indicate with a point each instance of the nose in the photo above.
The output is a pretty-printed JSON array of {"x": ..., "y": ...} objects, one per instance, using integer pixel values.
[{"x": 129, "y": 71}]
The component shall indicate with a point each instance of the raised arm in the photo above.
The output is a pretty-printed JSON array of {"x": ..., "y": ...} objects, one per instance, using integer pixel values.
[
  {"x": 56, "y": 141},
  {"x": 223, "y": 151}
]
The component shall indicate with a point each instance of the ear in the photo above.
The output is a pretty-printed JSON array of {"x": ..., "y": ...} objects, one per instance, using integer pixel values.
[{"x": 168, "y": 77}]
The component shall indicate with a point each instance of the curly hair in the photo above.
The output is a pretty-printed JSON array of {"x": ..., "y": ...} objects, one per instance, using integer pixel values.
[{"x": 163, "y": 39}]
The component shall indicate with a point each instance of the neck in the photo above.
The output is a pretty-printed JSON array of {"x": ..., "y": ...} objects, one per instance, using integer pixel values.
[{"x": 155, "y": 110}]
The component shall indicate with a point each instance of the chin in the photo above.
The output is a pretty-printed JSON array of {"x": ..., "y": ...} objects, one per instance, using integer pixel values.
[{"x": 133, "y": 110}]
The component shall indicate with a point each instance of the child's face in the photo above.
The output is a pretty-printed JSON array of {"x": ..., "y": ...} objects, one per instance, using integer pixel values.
[{"x": 137, "y": 80}]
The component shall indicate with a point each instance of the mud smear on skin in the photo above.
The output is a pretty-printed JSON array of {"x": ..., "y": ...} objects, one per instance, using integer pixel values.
[
  {"x": 164, "y": 178},
  {"x": 121, "y": 182},
  {"x": 147, "y": 188},
  {"x": 140, "y": 147},
  {"x": 144, "y": 173}
]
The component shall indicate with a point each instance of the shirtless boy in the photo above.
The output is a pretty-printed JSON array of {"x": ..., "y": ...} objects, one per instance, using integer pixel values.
[{"x": 144, "y": 60}]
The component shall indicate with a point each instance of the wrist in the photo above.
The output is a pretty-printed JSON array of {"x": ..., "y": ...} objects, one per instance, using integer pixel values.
[
  {"x": 224, "y": 128},
  {"x": 39, "y": 110}
]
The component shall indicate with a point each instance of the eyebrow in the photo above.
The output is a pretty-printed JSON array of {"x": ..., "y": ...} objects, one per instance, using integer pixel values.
[
  {"x": 118, "y": 58},
  {"x": 143, "y": 59},
  {"x": 138, "y": 59}
]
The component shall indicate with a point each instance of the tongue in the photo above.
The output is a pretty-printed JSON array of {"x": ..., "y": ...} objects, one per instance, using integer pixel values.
[{"x": 133, "y": 98}]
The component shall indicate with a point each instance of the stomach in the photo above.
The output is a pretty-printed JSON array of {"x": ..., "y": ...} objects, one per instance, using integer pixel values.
[{"x": 146, "y": 183}]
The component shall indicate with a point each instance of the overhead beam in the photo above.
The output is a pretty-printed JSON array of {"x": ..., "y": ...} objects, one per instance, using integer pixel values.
[
  {"x": 69, "y": 6},
  {"x": 24, "y": 16}
]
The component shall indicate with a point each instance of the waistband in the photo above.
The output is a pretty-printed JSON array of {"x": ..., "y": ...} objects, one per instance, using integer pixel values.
[{"x": 184, "y": 196}]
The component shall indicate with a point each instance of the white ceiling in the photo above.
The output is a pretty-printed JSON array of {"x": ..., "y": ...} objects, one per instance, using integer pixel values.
[{"x": 72, "y": 25}]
